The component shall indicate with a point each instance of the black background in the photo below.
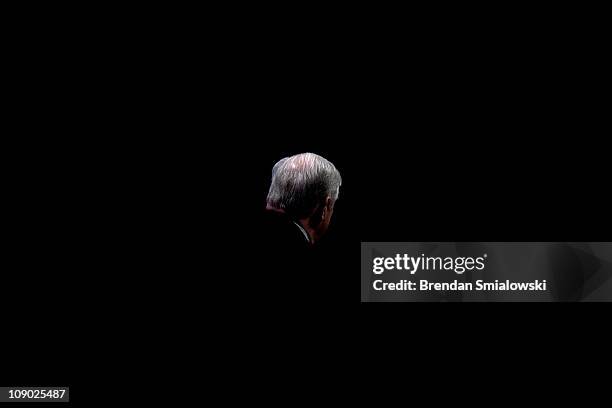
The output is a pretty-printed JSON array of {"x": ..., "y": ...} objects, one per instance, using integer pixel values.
[
  {"x": 499, "y": 142},
  {"x": 445, "y": 172},
  {"x": 437, "y": 138}
]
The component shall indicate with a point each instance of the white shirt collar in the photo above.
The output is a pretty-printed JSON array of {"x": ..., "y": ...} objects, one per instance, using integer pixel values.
[{"x": 303, "y": 231}]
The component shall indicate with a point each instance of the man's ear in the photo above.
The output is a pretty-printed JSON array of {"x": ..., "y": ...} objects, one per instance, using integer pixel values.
[{"x": 326, "y": 207}]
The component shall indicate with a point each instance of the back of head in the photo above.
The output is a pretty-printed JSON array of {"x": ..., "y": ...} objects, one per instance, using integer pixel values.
[{"x": 301, "y": 183}]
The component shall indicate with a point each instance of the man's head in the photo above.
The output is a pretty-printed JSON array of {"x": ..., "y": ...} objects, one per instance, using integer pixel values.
[{"x": 305, "y": 187}]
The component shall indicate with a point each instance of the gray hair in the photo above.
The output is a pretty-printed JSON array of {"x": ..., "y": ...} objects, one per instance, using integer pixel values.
[{"x": 302, "y": 182}]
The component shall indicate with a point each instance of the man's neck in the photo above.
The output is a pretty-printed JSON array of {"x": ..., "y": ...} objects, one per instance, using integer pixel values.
[{"x": 303, "y": 224}]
